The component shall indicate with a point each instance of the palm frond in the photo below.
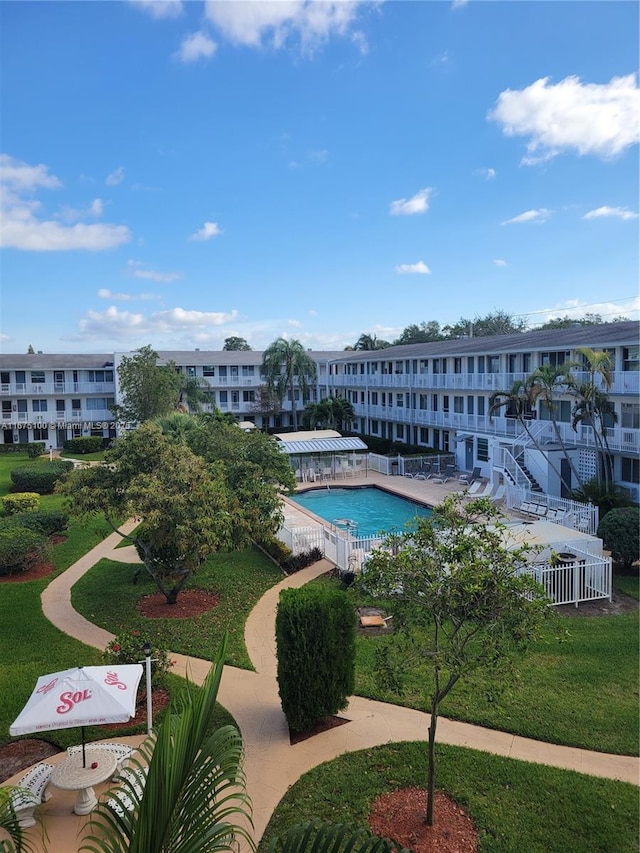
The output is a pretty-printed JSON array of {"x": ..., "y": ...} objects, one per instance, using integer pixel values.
[{"x": 318, "y": 837}]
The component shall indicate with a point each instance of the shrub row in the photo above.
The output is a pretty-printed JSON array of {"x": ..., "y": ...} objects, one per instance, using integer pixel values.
[
  {"x": 83, "y": 444},
  {"x": 296, "y": 562},
  {"x": 40, "y": 478},
  {"x": 276, "y": 549},
  {"x": 36, "y": 448},
  {"x": 21, "y": 502}
]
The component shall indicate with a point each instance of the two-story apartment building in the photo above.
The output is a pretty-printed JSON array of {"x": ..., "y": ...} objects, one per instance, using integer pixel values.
[{"x": 432, "y": 395}]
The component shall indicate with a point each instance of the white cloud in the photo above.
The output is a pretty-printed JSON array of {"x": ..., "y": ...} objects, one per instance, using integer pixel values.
[
  {"x": 104, "y": 293},
  {"x": 21, "y": 176},
  {"x": 4, "y": 338},
  {"x": 606, "y": 211},
  {"x": 208, "y": 230},
  {"x": 24, "y": 227},
  {"x": 588, "y": 118},
  {"x": 419, "y": 267},
  {"x": 116, "y": 177},
  {"x": 194, "y": 47},
  {"x": 419, "y": 203},
  {"x": 539, "y": 215},
  {"x": 499, "y": 262},
  {"x": 160, "y": 8},
  {"x": 488, "y": 174},
  {"x": 113, "y": 323},
  {"x": 277, "y": 22},
  {"x": 138, "y": 271},
  {"x": 74, "y": 214},
  {"x": 576, "y": 309},
  {"x": 458, "y": 4},
  {"x": 295, "y": 323}
]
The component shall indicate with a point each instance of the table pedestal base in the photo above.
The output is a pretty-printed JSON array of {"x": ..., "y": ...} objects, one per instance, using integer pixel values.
[{"x": 85, "y": 801}]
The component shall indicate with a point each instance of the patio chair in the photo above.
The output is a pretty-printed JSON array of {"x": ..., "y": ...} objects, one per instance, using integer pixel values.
[
  {"x": 32, "y": 792},
  {"x": 470, "y": 478},
  {"x": 121, "y": 751},
  {"x": 440, "y": 478},
  {"x": 133, "y": 779},
  {"x": 498, "y": 496}
]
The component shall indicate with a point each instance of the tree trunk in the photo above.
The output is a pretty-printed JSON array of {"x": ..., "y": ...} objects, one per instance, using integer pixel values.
[{"x": 431, "y": 780}]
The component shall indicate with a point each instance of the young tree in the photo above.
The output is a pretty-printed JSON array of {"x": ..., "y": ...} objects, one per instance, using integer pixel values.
[
  {"x": 286, "y": 367},
  {"x": 495, "y": 323},
  {"x": 148, "y": 389},
  {"x": 342, "y": 412},
  {"x": 368, "y": 342},
  {"x": 619, "y": 533},
  {"x": 459, "y": 579},
  {"x": 182, "y": 502},
  {"x": 592, "y": 406},
  {"x": 422, "y": 334},
  {"x": 236, "y": 344}
]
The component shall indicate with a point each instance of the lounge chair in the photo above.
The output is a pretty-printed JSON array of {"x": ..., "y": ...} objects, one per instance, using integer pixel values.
[
  {"x": 32, "y": 792},
  {"x": 440, "y": 478},
  {"x": 470, "y": 478},
  {"x": 499, "y": 494}
]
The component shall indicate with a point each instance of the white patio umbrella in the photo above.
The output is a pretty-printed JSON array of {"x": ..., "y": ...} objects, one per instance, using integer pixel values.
[{"x": 82, "y": 696}]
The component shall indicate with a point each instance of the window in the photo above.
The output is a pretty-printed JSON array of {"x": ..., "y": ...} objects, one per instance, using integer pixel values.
[
  {"x": 480, "y": 364},
  {"x": 445, "y": 403},
  {"x": 483, "y": 450},
  {"x": 424, "y": 435},
  {"x": 100, "y": 375},
  {"x": 191, "y": 371},
  {"x": 631, "y": 358},
  {"x": 374, "y": 398},
  {"x": 513, "y": 363},
  {"x": 40, "y": 434},
  {"x": 399, "y": 367},
  {"x": 39, "y": 405},
  {"x": 247, "y": 369},
  {"x": 458, "y": 405},
  {"x": 375, "y": 427},
  {"x": 423, "y": 402},
  {"x": 493, "y": 364},
  {"x": 631, "y": 415},
  {"x": 248, "y": 396},
  {"x": 235, "y": 398},
  {"x": 233, "y": 370},
  {"x": 630, "y": 469},
  {"x": 400, "y": 400},
  {"x": 97, "y": 404},
  {"x": 223, "y": 396},
  {"x": 208, "y": 370},
  {"x": 4, "y": 378},
  {"x": 222, "y": 372},
  {"x": 424, "y": 365},
  {"x": 457, "y": 365},
  {"x": 59, "y": 405},
  {"x": 471, "y": 362},
  {"x": 76, "y": 405},
  {"x": 556, "y": 359},
  {"x": 400, "y": 431},
  {"x": 470, "y": 402},
  {"x": 481, "y": 406},
  {"x": 526, "y": 362},
  {"x": 37, "y": 377},
  {"x": 561, "y": 411}
]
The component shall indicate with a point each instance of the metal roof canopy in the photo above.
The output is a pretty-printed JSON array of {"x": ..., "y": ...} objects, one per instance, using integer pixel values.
[{"x": 318, "y": 441}]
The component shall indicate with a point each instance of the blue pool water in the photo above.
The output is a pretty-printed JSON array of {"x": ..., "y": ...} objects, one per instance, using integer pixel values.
[{"x": 372, "y": 509}]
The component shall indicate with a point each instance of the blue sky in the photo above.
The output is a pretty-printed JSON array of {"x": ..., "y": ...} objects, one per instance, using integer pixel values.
[{"x": 175, "y": 173}]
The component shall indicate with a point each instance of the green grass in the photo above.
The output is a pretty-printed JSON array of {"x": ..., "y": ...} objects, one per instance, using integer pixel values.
[
  {"x": 581, "y": 690},
  {"x": 627, "y": 584},
  {"x": 515, "y": 806},
  {"x": 107, "y": 597}
]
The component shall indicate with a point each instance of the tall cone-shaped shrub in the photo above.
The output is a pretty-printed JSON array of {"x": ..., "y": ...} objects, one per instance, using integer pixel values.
[{"x": 315, "y": 634}]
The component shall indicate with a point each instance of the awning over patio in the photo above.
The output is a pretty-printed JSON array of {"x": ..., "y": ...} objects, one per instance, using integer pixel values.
[
  {"x": 464, "y": 437},
  {"x": 318, "y": 441}
]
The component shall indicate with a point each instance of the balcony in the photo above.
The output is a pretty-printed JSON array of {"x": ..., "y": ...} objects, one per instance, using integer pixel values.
[{"x": 44, "y": 389}]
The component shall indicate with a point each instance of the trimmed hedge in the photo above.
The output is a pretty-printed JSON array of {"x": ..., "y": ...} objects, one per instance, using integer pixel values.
[
  {"x": 315, "y": 635},
  {"x": 21, "y": 502},
  {"x": 83, "y": 444},
  {"x": 45, "y": 521},
  {"x": 36, "y": 448},
  {"x": 277, "y": 550},
  {"x": 21, "y": 549},
  {"x": 40, "y": 478}
]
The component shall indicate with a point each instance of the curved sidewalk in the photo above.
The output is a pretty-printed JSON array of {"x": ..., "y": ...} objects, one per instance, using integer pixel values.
[{"x": 272, "y": 765}]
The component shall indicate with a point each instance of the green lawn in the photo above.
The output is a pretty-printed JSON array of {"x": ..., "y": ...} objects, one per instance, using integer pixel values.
[
  {"x": 581, "y": 690},
  {"x": 516, "y": 807},
  {"x": 629, "y": 584},
  {"x": 107, "y": 596}
]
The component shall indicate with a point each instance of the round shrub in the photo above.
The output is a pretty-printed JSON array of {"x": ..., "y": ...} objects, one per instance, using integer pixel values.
[
  {"x": 35, "y": 449},
  {"x": 45, "y": 521},
  {"x": 40, "y": 478},
  {"x": 21, "y": 549},
  {"x": 20, "y": 502},
  {"x": 619, "y": 533}
]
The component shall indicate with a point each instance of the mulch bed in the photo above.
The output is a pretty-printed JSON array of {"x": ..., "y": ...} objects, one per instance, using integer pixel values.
[
  {"x": 41, "y": 570},
  {"x": 191, "y": 602},
  {"x": 399, "y": 816},
  {"x": 20, "y": 754}
]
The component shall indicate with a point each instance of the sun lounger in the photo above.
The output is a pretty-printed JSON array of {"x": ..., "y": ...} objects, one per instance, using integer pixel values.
[{"x": 439, "y": 478}]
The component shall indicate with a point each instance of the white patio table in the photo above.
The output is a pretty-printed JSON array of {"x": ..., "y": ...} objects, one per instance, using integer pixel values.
[{"x": 70, "y": 775}]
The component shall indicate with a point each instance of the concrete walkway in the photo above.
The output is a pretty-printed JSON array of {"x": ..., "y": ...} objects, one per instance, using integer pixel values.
[{"x": 272, "y": 765}]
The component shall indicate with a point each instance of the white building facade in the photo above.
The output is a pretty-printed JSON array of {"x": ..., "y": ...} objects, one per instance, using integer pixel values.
[{"x": 421, "y": 395}]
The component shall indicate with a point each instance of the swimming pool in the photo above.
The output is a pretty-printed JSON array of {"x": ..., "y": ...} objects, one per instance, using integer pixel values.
[{"x": 372, "y": 509}]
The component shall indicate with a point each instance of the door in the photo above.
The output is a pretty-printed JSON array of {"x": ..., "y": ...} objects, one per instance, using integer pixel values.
[
  {"x": 8, "y": 436},
  {"x": 565, "y": 473},
  {"x": 58, "y": 381},
  {"x": 468, "y": 454}
]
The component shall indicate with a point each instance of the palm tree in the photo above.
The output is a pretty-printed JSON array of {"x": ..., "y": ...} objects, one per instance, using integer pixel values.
[
  {"x": 518, "y": 401},
  {"x": 286, "y": 366},
  {"x": 192, "y": 393},
  {"x": 543, "y": 385},
  {"x": 370, "y": 342},
  {"x": 318, "y": 415},
  {"x": 592, "y": 405},
  {"x": 342, "y": 411},
  {"x": 193, "y": 798}
]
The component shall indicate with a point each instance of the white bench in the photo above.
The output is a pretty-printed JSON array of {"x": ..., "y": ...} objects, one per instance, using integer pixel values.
[
  {"x": 32, "y": 792},
  {"x": 121, "y": 751},
  {"x": 133, "y": 780}
]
